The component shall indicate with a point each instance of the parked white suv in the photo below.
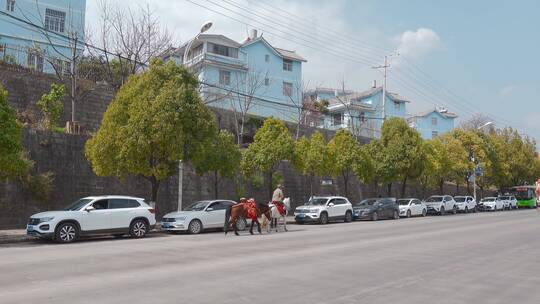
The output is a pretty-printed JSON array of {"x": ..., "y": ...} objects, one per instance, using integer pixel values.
[
  {"x": 440, "y": 204},
  {"x": 324, "y": 209},
  {"x": 510, "y": 201},
  {"x": 116, "y": 215},
  {"x": 465, "y": 203}
]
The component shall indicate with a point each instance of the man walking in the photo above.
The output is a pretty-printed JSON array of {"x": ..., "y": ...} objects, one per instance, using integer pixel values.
[{"x": 277, "y": 199}]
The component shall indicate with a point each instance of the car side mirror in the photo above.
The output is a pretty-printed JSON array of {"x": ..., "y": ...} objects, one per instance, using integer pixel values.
[
  {"x": 89, "y": 208},
  {"x": 209, "y": 209},
  {"x": 331, "y": 205}
]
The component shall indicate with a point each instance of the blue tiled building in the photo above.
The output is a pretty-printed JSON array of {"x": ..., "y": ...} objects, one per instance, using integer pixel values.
[
  {"x": 36, "y": 48},
  {"x": 433, "y": 123},
  {"x": 232, "y": 71}
]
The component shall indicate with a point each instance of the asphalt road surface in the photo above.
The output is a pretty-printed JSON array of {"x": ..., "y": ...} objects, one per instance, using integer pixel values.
[{"x": 475, "y": 258}]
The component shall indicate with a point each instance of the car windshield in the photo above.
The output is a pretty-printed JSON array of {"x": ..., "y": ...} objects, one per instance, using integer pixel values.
[
  {"x": 460, "y": 199},
  {"x": 78, "y": 204},
  {"x": 197, "y": 206},
  {"x": 489, "y": 199},
  {"x": 317, "y": 201},
  {"x": 434, "y": 199},
  {"x": 403, "y": 202},
  {"x": 366, "y": 202}
]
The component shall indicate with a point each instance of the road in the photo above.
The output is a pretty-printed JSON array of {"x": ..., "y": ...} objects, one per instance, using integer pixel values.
[{"x": 475, "y": 258}]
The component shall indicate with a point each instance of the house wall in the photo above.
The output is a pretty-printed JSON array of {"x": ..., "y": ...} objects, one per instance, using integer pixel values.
[
  {"x": 425, "y": 127},
  {"x": 18, "y": 37}
]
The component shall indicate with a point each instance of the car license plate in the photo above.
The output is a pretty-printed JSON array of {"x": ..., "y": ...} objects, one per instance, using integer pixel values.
[
  {"x": 166, "y": 225},
  {"x": 301, "y": 215}
]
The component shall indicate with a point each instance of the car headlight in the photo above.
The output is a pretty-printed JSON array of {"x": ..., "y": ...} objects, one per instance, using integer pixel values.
[
  {"x": 180, "y": 218},
  {"x": 313, "y": 210},
  {"x": 46, "y": 219}
]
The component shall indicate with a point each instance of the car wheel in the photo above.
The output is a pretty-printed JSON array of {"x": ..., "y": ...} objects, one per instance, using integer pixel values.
[
  {"x": 474, "y": 209},
  {"x": 424, "y": 212},
  {"x": 195, "y": 227},
  {"x": 441, "y": 211},
  {"x": 323, "y": 219},
  {"x": 466, "y": 209},
  {"x": 138, "y": 228},
  {"x": 241, "y": 224},
  {"x": 454, "y": 209},
  {"x": 396, "y": 215},
  {"x": 348, "y": 216},
  {"x": 375, "y": 216},
  {"x": 67, "y": 233},
  {"x": 408, "y": 213}
]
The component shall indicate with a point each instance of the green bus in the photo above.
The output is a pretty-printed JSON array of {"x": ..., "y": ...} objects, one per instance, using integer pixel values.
[{"x": 525, "y": 195}]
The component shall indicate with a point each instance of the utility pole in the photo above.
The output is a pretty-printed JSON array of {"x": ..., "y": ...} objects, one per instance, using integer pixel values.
[{"x": 385, "y": 81}]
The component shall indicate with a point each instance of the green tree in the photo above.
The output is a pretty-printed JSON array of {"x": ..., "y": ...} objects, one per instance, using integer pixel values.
[
  {"x": 220, "y": 156},
  {"x": 272, "y": 144},
  {"x": 155, "y": 119},
  {"x": 403, "y": 150},
  {"x": 311, "y": 157},
  {"x": 473, "y": 144},
  {"x": 52, "y": 106},
  {"x": 345, "y": 157},
  {"x": 13, "y": 163}
]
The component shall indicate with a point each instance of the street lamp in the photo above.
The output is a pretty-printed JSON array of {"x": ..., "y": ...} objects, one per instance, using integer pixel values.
[
  {"x": 205, "y": 27},
  {"x": 489, "y": 123}
]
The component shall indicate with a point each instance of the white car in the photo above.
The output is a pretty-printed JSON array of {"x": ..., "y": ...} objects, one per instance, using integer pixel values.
[
  {"x": 465, "y": 203},
  {"x": 324, "y": 209},
  {"x": 201, "y": 215},
  {"x": 492, "y": 204},
  {"x": 440, "y": 204},
  {"x": 112, "y": 214},
  {"x": 411, "y": 207},
  {"x": 510, "y": 202}
]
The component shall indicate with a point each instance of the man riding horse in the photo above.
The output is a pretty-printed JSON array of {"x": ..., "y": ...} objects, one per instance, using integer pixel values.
[{"x": 277, "y": 199}]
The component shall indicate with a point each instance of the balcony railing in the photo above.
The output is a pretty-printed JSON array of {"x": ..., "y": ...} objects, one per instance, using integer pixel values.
[{"x": 241, "y": 61}]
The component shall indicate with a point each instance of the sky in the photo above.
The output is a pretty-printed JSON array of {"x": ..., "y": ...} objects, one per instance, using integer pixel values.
[{"x": 470, "y": 57}]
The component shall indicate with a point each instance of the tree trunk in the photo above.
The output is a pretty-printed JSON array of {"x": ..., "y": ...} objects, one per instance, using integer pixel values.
[
  {"x": 389, "y": 190},
  {"x": 346, "y": 182},
  {"x": 457, "y": 188},
  {"x": 311, "y": 184},
  {"x": 468, "y": 188},
  {"x": 270, "y": 188},
  {"x": 155, "y": 187},
  {"x": 403, "y": 187},
  {"x": 216, "y": 181},
  {"x": 441, "y": 187}
]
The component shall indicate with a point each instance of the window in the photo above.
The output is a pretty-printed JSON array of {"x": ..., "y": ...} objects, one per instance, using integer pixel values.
[
  {"x": 266, "y": 81},
  {"x": 337, "y": 119},
  {"x": 362, "y": 117},
  {"x": 224, "y": 77},
  {"x": 123, "y": 203},
  {"x": 287, "y": 65},
  {"x": 99, "y": 205},
  {"x": 267, "y": 58},
  {"x": 222, "y": 50},
  {"x": 10, "y": 5},
  {"x": 287, "y": 89},
  {"x": 396, "y": 106},
  {"x": 55, "y": 20},
  {"x": 434, "y": 121},
  {"x": 34, "y": 61},
  {"x": 67, "y": 68},
  {"x": 434, "y": 134},
  {"x": 219, "y": 205}
]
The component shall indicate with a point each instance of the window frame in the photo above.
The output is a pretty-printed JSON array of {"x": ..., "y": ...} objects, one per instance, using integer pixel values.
[
  {"x": 434, "y": 121},
  {"x": 267, "y": 58},
  {"x": 287, "y": 65},
  {"x": 10, "y": 5},
  {"x": 287, "y": 92},
  {"x": 434, "y": 133},
  {"x": 224, "y": 77},
  {"x": 55, "y": 20}
]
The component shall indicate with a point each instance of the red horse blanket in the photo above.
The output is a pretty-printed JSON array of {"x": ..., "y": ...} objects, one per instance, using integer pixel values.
[
  {"x": 280, "y": 207},
  {"x": 251, "y": 209}
]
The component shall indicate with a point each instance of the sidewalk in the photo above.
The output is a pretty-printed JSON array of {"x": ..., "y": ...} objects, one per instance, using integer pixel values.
[{"x": 19, "y": 235}]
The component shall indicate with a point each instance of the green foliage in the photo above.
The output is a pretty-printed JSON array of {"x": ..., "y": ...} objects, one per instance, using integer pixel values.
[
  {"x": 155, "y": 119},
  {"x": 13, "y": 163},
  {"x": 39, "y": 185},
  {"x": 321, "y": 106},
  {"x": 257, "y": 181},
  {"x": 343, "y": 152},
  {"x": 277, "y": 178},
  {"x": 220, "y": 153},
  {"x": 272, "y": 144},
  {"x": 311, "y": 155},
  {"x": 52, "y": 106}
]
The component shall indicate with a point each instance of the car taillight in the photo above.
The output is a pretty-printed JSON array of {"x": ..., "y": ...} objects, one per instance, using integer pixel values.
[{"x": 152, "y": 210}]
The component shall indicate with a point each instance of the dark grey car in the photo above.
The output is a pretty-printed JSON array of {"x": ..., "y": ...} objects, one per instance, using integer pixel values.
[{"x": 376, "y": 208}]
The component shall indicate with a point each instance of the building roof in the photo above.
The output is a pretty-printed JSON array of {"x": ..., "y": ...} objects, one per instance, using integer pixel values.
[
  {"x": 204, "y": 37},
  {"x": 361, "y": 95},
  {"x": 442, "y": 113},
  {"x": 287, "y": 54}
]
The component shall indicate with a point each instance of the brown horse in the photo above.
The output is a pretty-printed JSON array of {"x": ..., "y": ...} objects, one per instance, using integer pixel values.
[{"x": 245, "y": 209}]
